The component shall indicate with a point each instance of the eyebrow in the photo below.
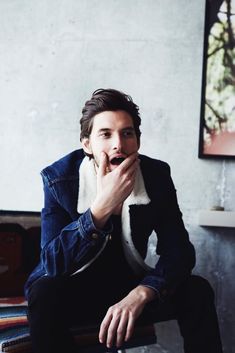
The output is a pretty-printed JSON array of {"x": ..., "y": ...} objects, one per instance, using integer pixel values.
[{"x": 124, "y": 129}]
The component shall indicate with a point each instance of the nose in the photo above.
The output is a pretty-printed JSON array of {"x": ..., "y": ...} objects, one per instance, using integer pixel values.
[{"x": 117, "y": 142}]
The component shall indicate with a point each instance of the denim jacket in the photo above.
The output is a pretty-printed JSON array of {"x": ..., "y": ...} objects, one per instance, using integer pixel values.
[{"x": 70, "y": 241}]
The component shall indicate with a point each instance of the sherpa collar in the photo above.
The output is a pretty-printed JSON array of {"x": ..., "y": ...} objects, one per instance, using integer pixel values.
[{"x": 139, "y": 196}]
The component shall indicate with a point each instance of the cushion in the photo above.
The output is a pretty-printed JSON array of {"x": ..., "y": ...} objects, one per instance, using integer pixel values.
[{"x": 14, "y": 330}]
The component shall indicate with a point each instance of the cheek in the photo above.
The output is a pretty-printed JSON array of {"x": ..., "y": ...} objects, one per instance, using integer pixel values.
[
  {"x": 95, "y": 145},
  {"x": 98, "y": 147},
  {"x": 134, "y": 146}
]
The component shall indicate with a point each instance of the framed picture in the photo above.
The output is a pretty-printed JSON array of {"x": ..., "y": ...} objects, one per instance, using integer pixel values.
[{"x": 217, "y": 123}]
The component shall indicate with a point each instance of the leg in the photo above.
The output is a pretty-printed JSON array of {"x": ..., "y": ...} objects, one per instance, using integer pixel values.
[
  {"x": 47, "y": 317},
  {"x": 193, "y": 307},
  {"x": 56, "y": 304},
  {"x": 197, "y": 317}
]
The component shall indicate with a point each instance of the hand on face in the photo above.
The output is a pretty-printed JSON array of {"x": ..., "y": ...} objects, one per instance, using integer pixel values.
[{"x": 113, "y": 187}]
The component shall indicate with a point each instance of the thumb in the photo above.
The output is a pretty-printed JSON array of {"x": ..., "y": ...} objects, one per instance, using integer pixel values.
[{"x": 102, "y": 164}]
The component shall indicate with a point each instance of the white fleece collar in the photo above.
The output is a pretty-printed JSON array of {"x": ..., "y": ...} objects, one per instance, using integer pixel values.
[{"x": 139, "y": 196}]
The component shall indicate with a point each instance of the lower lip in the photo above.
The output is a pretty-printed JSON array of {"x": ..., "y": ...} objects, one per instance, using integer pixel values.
[{"x": 113, "y": 166}]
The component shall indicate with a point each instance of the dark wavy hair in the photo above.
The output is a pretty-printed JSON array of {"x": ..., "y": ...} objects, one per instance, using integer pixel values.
[{"x": 108, "y": 100}]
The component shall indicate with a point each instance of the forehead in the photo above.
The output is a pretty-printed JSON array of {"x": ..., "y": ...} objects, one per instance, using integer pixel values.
[{"x": 114, "y": 120}]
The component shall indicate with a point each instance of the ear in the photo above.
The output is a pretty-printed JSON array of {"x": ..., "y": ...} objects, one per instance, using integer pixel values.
[{"x": 86, "y": 145}]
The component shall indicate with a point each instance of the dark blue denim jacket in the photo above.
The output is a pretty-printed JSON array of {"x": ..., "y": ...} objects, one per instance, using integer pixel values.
[{"x": 70, "y": 240}]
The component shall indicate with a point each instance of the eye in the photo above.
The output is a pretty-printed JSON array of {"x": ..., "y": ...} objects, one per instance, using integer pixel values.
[
  {"x": 128, "y": 133},
  {"x": 105, "y": 134}
]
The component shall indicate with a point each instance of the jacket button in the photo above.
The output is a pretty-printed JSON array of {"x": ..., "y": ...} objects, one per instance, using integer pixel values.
[{"x": 95, "y": 236}]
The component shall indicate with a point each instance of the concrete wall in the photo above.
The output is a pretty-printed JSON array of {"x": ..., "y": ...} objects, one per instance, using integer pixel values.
[{"x": 55, "y": 53}]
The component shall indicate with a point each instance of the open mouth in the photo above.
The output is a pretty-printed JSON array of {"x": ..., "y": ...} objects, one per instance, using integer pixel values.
[{"x": 117, "y": 160}]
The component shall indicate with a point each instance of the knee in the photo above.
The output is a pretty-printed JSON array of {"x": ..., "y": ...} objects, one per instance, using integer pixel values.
[
  {"x": 45, "y": 290},
  {"x": 201, "y": 288}
]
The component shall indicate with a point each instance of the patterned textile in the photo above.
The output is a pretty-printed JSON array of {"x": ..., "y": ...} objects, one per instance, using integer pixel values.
[
  {"x": 14, "y": 330},
  {"x": 14, "y": 301}
]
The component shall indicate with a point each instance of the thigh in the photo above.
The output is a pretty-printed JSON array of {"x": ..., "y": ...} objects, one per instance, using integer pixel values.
[
  {"x": 191, "y": 293},
  {"x": 90, "y": 296},
  {"x": 74, "y": 299}
]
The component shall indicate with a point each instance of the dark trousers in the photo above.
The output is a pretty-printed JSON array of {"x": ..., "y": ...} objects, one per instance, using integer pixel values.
[{"x": 55, "y": 304}]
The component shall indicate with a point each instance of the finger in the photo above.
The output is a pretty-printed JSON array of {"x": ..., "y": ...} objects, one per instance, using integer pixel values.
[
  {"x": 104, "y": 327},
  {"x": 130, "y": 328},
  {"x": 102, "y": 164},
  {"x": 121, "y": 330},
  {"x": 128, "y": 180},
  {"x": 129, "y": 176},
  {"x": 112, "y": 330},
  {"x": 128, "y": 161},
  {"x": 131, "y": 171}
]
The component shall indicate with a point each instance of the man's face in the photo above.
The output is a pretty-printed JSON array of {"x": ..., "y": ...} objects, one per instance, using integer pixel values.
[{"x": 113, "y": 133}]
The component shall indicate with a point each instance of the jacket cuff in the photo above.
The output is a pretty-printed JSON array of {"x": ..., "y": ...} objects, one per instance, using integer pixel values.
[
  {"x": 156, "y": 284},
  {"x": 88, "y": 228}
]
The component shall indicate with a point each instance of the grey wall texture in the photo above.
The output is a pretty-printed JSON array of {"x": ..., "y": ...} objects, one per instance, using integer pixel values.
[{"x": 54, "y": 54}]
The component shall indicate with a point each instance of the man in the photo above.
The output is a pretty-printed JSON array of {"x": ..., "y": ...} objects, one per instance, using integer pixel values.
[{"x": 101, "y": 205}]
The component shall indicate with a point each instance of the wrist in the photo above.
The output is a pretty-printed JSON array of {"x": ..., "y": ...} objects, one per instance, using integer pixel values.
[
  {"x": 145, "y": 293},
  {"x": 99, "y": 215}
]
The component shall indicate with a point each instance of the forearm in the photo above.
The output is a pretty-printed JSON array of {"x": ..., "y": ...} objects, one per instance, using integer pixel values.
[
  {"x": 73, "y": 246},
  {"x": 170, "y": 270}
]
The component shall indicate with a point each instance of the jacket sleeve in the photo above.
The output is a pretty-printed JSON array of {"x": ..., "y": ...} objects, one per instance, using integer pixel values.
[
  {"x": 67, "y": 246},
  {"x": 177, "y": 254}
]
